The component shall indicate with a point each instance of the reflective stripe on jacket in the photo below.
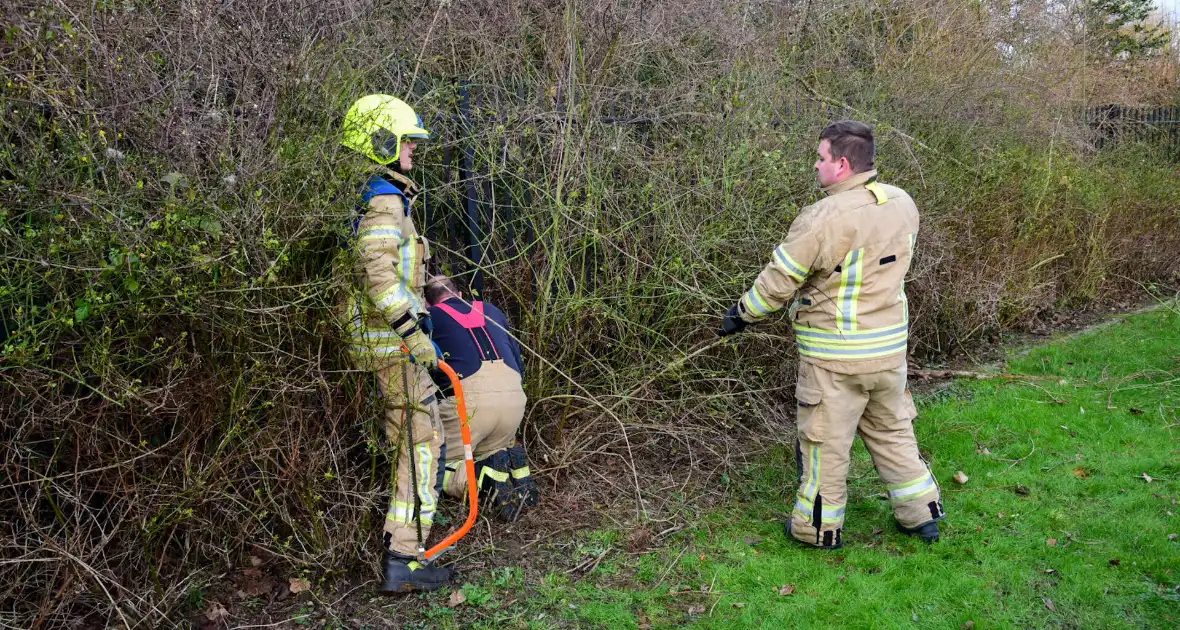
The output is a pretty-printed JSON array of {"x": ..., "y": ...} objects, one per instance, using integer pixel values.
[
  {"x": 390, "y": 269},
  {"x": 844, "y": 261}
]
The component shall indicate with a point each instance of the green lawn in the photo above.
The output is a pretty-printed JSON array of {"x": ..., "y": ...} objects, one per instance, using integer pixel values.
[{"x": 1056, "y": 527}]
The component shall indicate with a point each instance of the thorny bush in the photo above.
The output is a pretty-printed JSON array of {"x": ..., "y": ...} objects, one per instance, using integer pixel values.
[{"x": 173, "y": 199}]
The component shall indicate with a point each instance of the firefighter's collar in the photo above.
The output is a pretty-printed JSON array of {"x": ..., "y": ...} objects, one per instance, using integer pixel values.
[
  {"x": 860, "y": 179},
  {"x": 409, "y": 188}
]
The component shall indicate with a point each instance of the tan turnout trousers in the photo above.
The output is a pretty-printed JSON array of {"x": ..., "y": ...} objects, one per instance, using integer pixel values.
[
  {"x": 833, "y": 408},
  {"x": 415, "y": 465},
  {"x": 495, "y": 406}
]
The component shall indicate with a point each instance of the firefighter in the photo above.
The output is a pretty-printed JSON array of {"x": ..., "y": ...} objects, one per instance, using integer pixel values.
[
  {"x": 385, "y": 311},
  {"x": 844, "y": 262},
  {"x": 474, "y": 339}
]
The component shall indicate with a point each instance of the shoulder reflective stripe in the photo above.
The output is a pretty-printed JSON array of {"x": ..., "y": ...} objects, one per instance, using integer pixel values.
[
  {"x": 850, "y": 353},
  {"x": 794, "y": 269},
  {"x": 850, "y": 282},
  {"x": 755, "y": 303},
  {"x": 878, "y": 192},
  {"x": 900, "y": 493}
]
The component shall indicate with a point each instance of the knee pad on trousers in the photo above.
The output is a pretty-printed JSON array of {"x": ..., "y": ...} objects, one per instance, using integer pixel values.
[{"x": 522, "y": 478}]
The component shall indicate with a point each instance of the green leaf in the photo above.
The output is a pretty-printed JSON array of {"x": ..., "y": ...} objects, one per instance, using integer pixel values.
[
  {"x": 174, "y": 179},
  {"x": 131, "y": 284},
  {"x": 81, "y": 310},
  {"x": 212, "y": 226}
]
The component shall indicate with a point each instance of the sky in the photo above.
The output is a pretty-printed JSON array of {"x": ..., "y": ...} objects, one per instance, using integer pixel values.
[{"x": 1169, "y": 7}]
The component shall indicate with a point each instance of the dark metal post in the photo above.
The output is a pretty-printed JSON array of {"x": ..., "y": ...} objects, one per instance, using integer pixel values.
[{"x": 471, "y": 204}]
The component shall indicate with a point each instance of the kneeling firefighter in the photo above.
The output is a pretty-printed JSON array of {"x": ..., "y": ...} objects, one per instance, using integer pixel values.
[
  {"x": 385, "y": 311},
  {"x": 474, "y": 339}
]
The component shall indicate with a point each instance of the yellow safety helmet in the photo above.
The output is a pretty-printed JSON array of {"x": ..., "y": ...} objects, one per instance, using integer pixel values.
[{"x": 376, "y": 124}]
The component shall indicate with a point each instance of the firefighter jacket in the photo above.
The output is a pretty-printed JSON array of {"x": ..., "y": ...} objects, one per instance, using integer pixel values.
[
  {"x": 844, "y": 261},
  {"x": 389, "y": 272}
]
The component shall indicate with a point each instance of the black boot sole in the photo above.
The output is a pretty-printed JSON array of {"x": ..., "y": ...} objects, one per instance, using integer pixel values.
[{"x": 914, "y": 532}]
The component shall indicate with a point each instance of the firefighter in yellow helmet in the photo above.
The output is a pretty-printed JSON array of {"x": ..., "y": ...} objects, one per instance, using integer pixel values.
[
  {"x": 385, "y": 311},
  {"x": 844, "y": 262}
]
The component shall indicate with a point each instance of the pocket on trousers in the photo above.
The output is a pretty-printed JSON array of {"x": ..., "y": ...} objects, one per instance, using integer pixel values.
[
  {"x": 809, "y": 401},
  {"x": 908, "y": 407}
]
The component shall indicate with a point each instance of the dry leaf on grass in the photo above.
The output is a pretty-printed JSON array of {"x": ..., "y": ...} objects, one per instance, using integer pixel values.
[
  {"x": 738, "y": 605},
  {"x": 298, "y": 585},
  {"x": 1171, "y": 536},
  {"x": 786, "y": 589},
  {"x": 216, "y": 612},
  {"x": 457, "y": 598},
  {"x": 960, "y": 478},
  {"x": 1148, "y": 478},
  {"x": 1049, "y": 604},
  {"x": 1081, "y": 473},
  {"x": 1052, "y": 542},
  {"x": 696, "y": 610}
]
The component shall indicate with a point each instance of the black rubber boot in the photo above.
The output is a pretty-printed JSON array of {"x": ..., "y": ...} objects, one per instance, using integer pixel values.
[
  {"x": 522, "y": 478},
  {"x": 787, "y": 530},
  {"x": 404, "y": 574},
  {"x": 495, "y": 487},
  {"x": 928, "y": 532}
]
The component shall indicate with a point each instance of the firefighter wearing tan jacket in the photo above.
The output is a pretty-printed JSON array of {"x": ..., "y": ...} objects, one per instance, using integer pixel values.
[
  {"x": 385, "y": 311},
  {"x": 844, "y": 263}
]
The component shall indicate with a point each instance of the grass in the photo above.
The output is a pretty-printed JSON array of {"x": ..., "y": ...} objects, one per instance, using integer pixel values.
[{"x": 1058, "y": 526}]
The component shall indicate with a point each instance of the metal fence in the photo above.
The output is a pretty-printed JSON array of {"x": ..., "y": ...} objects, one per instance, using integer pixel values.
[{"x": 1159, "y": 126}]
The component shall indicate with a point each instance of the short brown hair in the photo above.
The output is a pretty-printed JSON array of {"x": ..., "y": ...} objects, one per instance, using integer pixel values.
[
  {"x": 853, "y": 140},
  {"x": 437, "y": 287}
]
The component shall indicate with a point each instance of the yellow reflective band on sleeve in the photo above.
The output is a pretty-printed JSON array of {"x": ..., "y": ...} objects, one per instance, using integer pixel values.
[
  {"x": 851, "y": 278},
  {"x": 408, "y": 270},
  {"x": 788, "y": 264},
  {"x": 394, "y": 298},
  {"x": 755, "y": 304},
  {"x": 902, "y": 492},
  {"x": 521, "y": 473},
  {"x": 877, "y": 191}
]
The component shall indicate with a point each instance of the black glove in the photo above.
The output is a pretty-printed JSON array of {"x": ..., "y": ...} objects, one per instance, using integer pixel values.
[{"x": 732, "y": 322}]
